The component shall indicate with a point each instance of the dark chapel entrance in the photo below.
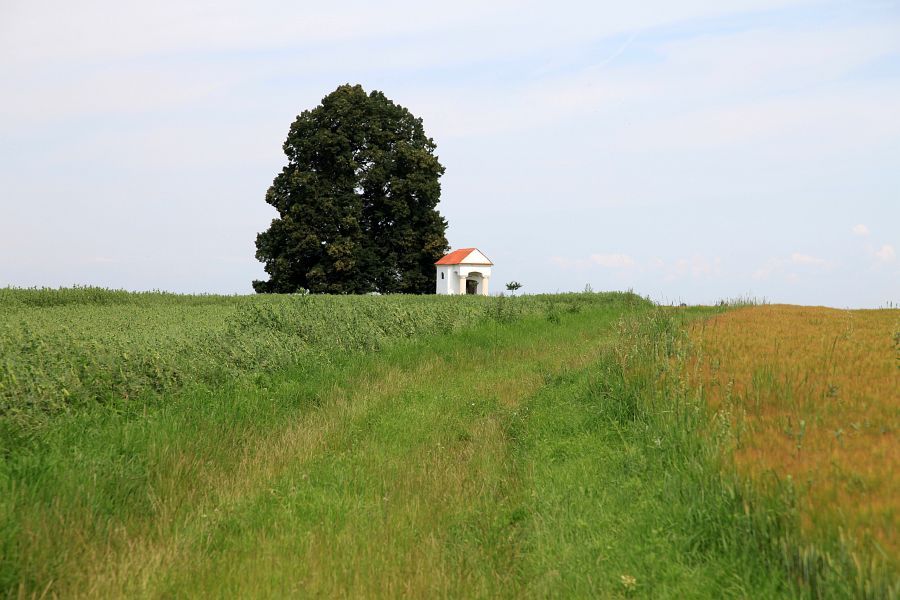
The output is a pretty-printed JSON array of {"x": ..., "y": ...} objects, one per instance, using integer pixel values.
[{"x": 471, "y": 286}]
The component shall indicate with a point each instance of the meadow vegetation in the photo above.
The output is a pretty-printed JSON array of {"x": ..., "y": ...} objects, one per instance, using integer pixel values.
[
  {"x": 63, "y": 350},
  {"x": 379, "y": 446}
]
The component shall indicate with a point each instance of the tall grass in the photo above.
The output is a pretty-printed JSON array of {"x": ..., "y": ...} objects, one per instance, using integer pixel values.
[{"x": 62, "y": 350}]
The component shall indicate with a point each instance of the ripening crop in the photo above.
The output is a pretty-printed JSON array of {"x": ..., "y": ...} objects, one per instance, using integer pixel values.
[{"x": 813, "y": 396}]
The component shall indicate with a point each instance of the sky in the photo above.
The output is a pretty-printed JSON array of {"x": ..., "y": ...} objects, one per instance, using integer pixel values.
[{"x": 692, "y": 151}]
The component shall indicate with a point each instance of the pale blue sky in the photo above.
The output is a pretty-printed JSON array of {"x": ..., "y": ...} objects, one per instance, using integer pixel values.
[{"x": 691, "y": 151}]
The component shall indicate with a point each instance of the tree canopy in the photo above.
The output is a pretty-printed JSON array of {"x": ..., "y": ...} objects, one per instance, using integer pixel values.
[{"x": 356, "y": 201}]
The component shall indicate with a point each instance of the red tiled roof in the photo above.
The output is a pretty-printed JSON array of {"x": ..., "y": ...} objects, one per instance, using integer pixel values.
[{"x": 457, "y": 257}]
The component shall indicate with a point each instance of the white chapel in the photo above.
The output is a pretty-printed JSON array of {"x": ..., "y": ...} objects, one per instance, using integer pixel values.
[{"x": 463, "y": 271}]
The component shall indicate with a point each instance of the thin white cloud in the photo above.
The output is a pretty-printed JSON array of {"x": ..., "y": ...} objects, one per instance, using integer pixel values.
[
  {"x": 112, "y": 92},
  {"x": 472, "y": 33},
  {"x": 696, "y": 267},
  {"x": 613, "y": 261},
  {"x": 609, "y": 261},
  {"x": 805, "y": 259},
  {"x": 860, "y": 230},
  {"x": 567, "y": 263},
  {"x": 719, "y": 90},
  {"x": 780, "y": 266},
  {"x": 886, "y": 253},
  {"x": 800, "y": 123},
  {"x": 41, "y": 30},
  {"x": 765, "y": 271}
]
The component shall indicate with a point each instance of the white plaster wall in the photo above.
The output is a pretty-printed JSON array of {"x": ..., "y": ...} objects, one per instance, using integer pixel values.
[
  {"x": 464, "y": 270},
  {"x": 475, "y": 257},
  {"x": 445, "y": 285},
  {"x": 442, "y": 285},
  {"x": 450, "y": 283}
]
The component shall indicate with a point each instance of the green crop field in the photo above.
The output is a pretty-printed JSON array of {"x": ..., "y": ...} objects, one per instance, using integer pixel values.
[{"x": 156, "y": 445}]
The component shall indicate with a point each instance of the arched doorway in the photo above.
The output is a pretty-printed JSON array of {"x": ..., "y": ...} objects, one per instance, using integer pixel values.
[{"x": 474, "y": 284}]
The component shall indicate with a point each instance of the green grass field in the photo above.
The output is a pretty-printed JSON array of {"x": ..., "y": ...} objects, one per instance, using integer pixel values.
[{"x": 165, "y": 446}]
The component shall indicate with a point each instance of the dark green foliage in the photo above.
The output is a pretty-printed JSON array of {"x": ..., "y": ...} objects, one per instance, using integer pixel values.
[{"x": 356, "y": 201}]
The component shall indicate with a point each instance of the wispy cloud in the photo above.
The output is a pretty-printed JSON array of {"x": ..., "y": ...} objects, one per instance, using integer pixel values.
[
  {"x": 613, "y": 261},
  {"x": 787, "y": 267},
  {"x": 696, "y": 267},
  {"x": 886, "y": 253},
  {"x": 860, "y": 230},
  {"x": 805, "y": 259},
  {"x": 607, "y": 261}
]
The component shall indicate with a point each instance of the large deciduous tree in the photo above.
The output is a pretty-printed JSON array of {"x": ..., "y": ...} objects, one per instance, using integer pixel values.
[{"x": 356, "y": 201}]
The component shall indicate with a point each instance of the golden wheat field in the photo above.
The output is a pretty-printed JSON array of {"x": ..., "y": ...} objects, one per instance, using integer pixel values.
[{"x": 813, "y": 394}]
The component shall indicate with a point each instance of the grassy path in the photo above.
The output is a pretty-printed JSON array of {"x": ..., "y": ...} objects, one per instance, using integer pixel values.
[
  {"x": 403, "y": 481},
  {"x": 478, "y": 464}
]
